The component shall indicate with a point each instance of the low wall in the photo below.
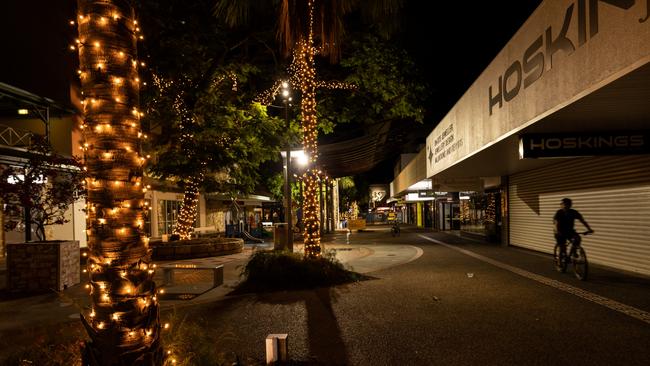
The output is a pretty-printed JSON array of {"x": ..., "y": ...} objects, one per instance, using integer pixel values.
[
  {"x": 196, "y": 248},
  {"x": 42, "y": 266}
]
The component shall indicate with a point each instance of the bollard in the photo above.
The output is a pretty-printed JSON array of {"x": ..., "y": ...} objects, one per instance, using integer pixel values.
[{"x": 277, "y": 348}]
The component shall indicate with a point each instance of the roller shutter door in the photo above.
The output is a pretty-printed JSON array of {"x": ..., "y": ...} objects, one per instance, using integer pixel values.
[{"x": 613, "y": 195}]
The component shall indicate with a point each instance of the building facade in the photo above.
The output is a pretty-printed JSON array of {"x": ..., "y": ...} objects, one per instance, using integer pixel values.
[{"x": 560, "y": 112}]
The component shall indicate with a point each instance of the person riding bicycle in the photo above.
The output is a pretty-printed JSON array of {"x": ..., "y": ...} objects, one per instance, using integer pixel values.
[
  {"x": 394, "y": 223},
  {"x": 564, "y": 222}
]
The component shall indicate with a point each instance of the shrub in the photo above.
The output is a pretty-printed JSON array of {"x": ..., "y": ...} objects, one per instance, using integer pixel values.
[{"x": 281, "y": 270}]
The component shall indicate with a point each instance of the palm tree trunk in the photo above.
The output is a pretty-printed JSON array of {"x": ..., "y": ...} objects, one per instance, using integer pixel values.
[
  {"x": 123, "y": 321},
  {"x": 187, "y": 213},
  {"x": 189, "y": 205},
  {"x": 306, "y": 71}
]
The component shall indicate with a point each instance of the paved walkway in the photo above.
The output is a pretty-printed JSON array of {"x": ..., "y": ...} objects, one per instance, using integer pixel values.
[
  {"x": 433, "y": 299},
  {"x": 193, "y": 287}
]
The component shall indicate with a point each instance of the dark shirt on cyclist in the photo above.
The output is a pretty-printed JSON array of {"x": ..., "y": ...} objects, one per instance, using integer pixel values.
[
  {"x": 565, "y": 219},
  {"x": 564, "y": 222}
]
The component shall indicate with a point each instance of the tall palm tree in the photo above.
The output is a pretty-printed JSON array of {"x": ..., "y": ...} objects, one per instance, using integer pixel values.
[
  {"x": 305, "y": 28},
  {"x": 123, "y": 321}
]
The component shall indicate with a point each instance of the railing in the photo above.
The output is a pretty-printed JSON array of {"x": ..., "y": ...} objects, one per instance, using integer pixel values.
[{"x": 15, "y": 137}]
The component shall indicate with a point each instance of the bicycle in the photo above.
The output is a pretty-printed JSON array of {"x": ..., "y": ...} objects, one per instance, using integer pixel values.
[{"x": 577, "y": 256}]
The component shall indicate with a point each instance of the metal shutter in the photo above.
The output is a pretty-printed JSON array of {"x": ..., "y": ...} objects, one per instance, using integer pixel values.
[{"x": 613, "y": 195}]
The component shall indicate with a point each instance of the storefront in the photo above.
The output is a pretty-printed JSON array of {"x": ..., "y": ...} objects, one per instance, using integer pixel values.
[{"x": 562, "y": 111}]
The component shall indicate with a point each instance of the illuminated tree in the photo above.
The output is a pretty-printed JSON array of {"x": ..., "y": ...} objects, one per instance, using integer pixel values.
[
  {"x": 307, "y": 28},
  {"x": 208, "y": 133},
  {"x": 123, "y": 320}
]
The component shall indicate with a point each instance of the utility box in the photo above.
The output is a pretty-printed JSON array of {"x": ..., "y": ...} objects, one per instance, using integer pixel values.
[{"x": 280, "y": 235}]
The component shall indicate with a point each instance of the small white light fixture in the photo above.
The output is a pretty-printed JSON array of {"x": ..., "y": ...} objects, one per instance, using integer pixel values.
[
  {"x": 23, "y": 111},
  {"x": 299, "y": 155}
]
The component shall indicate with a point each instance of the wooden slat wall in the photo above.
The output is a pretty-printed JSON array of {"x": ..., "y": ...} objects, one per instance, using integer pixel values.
[{"x": 613, "y": 195}]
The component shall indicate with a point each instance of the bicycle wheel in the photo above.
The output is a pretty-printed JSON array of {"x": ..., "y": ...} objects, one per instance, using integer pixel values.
[
  {"x": 580, "y": 264},
  {"x": 558, "y": 259}
]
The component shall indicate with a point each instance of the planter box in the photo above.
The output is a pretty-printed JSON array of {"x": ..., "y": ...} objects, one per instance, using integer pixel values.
[
  {"x": 197, "y": 248},
  {"x": 42, "y": 266}
]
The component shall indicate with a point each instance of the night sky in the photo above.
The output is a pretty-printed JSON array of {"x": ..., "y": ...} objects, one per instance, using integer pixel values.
[{"x": 452, "y": 42}]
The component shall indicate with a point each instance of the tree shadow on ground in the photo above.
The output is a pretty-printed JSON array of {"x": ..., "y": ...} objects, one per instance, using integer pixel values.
[{"x": 324, "y": 338}]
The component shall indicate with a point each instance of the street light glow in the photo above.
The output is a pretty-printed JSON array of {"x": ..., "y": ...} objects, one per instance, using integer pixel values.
[{"x": 299, "y": 155}]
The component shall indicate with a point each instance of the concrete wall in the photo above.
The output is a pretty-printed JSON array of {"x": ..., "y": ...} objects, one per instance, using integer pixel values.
[
  {"x": 74, "y": 229},
  {"x": 415, "y": 171},
  {"x": 564, "y": 51}
]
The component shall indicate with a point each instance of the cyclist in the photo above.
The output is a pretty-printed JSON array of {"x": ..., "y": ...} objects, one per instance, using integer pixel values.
[
  {"x": 394, "y": 223},
  {"x": 563, "y": 224}
]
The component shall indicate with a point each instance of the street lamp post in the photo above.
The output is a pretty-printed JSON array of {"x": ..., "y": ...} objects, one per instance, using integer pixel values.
[{"x": 287, "y": 168}]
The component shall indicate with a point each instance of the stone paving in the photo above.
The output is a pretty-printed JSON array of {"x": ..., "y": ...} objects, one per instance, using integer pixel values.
[
  {"x": 433, "y": 299},
  {"x": 190, "y": 286}
]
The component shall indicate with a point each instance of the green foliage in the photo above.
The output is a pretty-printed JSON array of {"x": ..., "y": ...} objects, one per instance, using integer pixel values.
[
  {"x": 46, "y": 186},
  {"x": 200, "y": 108},
  {"x": 388, "y": 86},
  {"x": 281, "y": 270},
  {"x": 275, "y": 184},
  {"x": 353, "y": 189}
]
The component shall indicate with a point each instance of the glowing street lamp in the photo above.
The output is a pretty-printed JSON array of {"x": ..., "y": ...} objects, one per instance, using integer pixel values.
[{"x": 286, "y": 98}]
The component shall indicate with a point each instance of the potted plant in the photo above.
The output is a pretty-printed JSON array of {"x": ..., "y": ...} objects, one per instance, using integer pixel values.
[{"x": 38, "y": 192}]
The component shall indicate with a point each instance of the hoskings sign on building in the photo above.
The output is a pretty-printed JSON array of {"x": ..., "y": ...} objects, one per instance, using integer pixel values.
[
  {"x": 565, "y": 51},
  {"x": 525, "y": 71},
  {"x": 584, "y": 144}
]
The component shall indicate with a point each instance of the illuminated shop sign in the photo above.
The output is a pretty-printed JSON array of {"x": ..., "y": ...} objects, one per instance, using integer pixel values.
[{"x": 583, "y": 144}]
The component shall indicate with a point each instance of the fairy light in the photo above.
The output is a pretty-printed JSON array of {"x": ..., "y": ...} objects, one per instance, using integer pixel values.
[
  {"x": 305, "y": 70},
  {"x": 124, "y": 288},
  {"x": 302, "y": 73}
]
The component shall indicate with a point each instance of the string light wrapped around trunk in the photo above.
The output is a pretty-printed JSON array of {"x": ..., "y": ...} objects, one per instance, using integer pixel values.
[
  {"x": 305, "y": 69},
  {"x": 123, "y": 322}
]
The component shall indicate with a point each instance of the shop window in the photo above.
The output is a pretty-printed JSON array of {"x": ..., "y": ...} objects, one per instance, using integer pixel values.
[
  {"x": 167, "y": 216},
  {"x": 146, "y": 217}
]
